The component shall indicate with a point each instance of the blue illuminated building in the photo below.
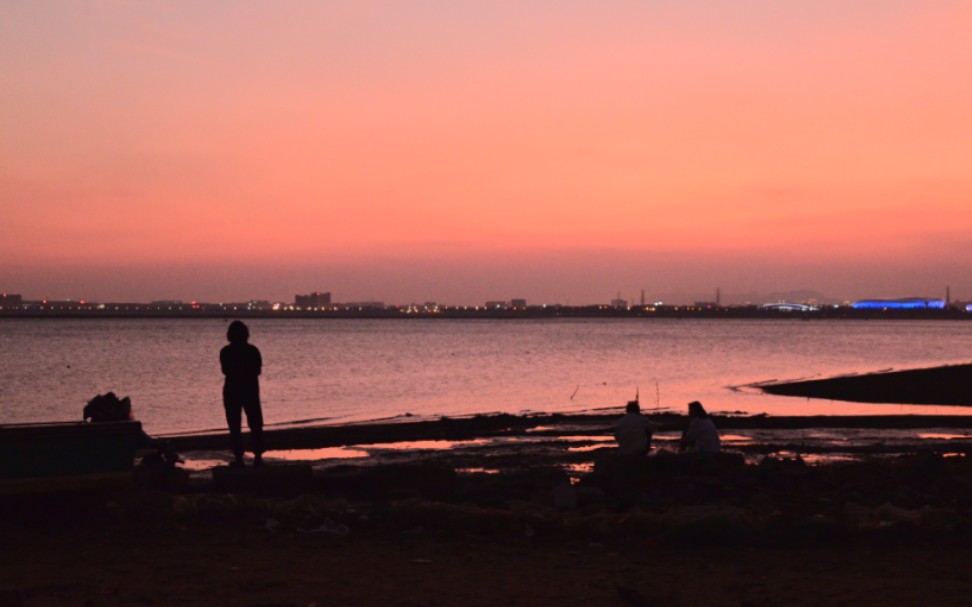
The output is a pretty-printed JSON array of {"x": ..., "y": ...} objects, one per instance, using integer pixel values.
[{"x": 909, "y": 303}]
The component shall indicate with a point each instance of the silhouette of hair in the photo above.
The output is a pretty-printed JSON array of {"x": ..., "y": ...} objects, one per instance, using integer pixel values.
[
  {"x": 633, "y": 407},
  {"x": 237, "y": 333},
  {"x": 696, "y": 410}
]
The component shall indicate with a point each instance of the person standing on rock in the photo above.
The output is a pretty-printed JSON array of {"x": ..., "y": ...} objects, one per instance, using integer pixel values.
[{"x": 241, "y": 364}]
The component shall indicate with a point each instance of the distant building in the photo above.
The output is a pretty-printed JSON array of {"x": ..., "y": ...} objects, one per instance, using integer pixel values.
[
  {"x": 619, "y": 303},
  {"x": 361, "y": 305},
  {"x": 314, "y": 301},
  {"x": 906, "y": 303},
  {"x": 518, "y": 304},
  {"x": 788, "y": 307},
  {"x": 497, "y": 305},
  {"x": 10, "y": 302}
]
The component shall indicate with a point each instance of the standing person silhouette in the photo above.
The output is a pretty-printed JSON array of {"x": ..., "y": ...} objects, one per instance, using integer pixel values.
[{"x": 241, "y": 364}]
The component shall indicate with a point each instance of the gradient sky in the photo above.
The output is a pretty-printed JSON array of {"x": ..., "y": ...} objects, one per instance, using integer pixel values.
[{"x": 452, "y": 151}]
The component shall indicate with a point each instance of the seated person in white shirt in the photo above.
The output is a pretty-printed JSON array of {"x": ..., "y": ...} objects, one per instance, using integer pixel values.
[{"x": 633, "y": 431}]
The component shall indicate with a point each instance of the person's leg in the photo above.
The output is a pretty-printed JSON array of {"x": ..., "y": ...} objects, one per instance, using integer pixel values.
[
  {"x": 234, "y": 419},
  {"x": 254, "y": 421}
]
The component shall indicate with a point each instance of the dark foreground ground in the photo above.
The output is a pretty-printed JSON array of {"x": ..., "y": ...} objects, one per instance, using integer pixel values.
[
  {"x": 541, "y": 513},
  {"x": 657, "y": 531},
  {"x": 238, "y": 561}
]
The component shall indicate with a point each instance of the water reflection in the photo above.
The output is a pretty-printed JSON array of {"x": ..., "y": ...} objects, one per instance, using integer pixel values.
[
  {"x": 306, "y": 455},
  {"x": 585, "y": 448},
  {"x": 425, "y": 445},
  {"x": 202, "y": 464},
  {"x": 736, "y": 439},
  {"x": 941, "y": 436}
]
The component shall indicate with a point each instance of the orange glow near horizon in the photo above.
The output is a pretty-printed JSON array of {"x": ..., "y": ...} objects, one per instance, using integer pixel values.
[{"x": 344, "y": 135}]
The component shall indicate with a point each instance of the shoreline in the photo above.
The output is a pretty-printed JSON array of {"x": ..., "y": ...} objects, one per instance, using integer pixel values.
[
  {"x": 551, "y": 425},
  {"x": 574, "y": 443}
]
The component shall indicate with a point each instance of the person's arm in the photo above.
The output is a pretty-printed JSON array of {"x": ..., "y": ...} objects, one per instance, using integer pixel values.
[{"x": 222, "y": 361}]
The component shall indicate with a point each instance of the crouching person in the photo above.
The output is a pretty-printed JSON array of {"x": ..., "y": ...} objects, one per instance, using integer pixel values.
[{"x": 157, "y": 466}]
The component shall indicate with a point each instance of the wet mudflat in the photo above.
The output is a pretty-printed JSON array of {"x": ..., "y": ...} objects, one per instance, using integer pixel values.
[{"x": 498, "y": 442}]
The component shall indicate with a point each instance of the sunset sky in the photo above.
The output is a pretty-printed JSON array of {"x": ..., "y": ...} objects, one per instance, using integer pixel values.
[{"x": 451, "y": 151}]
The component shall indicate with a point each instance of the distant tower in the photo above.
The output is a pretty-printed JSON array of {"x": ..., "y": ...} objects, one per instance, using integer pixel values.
[
  {"x": 642, "y": 298},
  {"x": 948, "y": 296},
  {"x": 718, "y": 296}
]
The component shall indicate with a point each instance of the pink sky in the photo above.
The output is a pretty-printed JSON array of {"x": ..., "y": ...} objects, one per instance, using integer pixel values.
[{"x": 465, "y": 151}]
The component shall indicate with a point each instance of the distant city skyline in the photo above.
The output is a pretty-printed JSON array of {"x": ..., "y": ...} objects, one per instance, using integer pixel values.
[
  {"x": 633, "y": 298},
  {"x": 465, "y": 152}
]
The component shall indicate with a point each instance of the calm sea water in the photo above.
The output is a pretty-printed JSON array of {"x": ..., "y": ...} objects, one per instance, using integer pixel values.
[{"x": 343, "y": 370}]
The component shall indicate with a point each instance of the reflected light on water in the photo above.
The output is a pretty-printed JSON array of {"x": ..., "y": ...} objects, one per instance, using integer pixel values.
[
  {"x": 585, "y": 448},
  {"x": 200, "y": 465},
  {"x": 427, "y": 445},
  {"x": 302, "y": 455},
  {"x": 941, "y": 436},
  {"x": 814, "y": 459},
  {"x": 477, "y": 470},
  {"x": 576, "y": 470},
  {"x": 736, "y": 439}
]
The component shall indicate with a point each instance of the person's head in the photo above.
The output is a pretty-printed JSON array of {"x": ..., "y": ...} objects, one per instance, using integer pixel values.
[
  {"x": 696, "y": 410},
  {"x": 632, "y": 407},
  {"x": 237, "y": 333},
  {"x": 126, "y": 408}
]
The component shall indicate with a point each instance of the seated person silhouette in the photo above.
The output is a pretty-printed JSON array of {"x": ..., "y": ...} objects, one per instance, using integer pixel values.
[
  {"x": 109, "y": 408},
  {"x": 634, "y": 431},
  {"x": 701, "y": 435}
]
